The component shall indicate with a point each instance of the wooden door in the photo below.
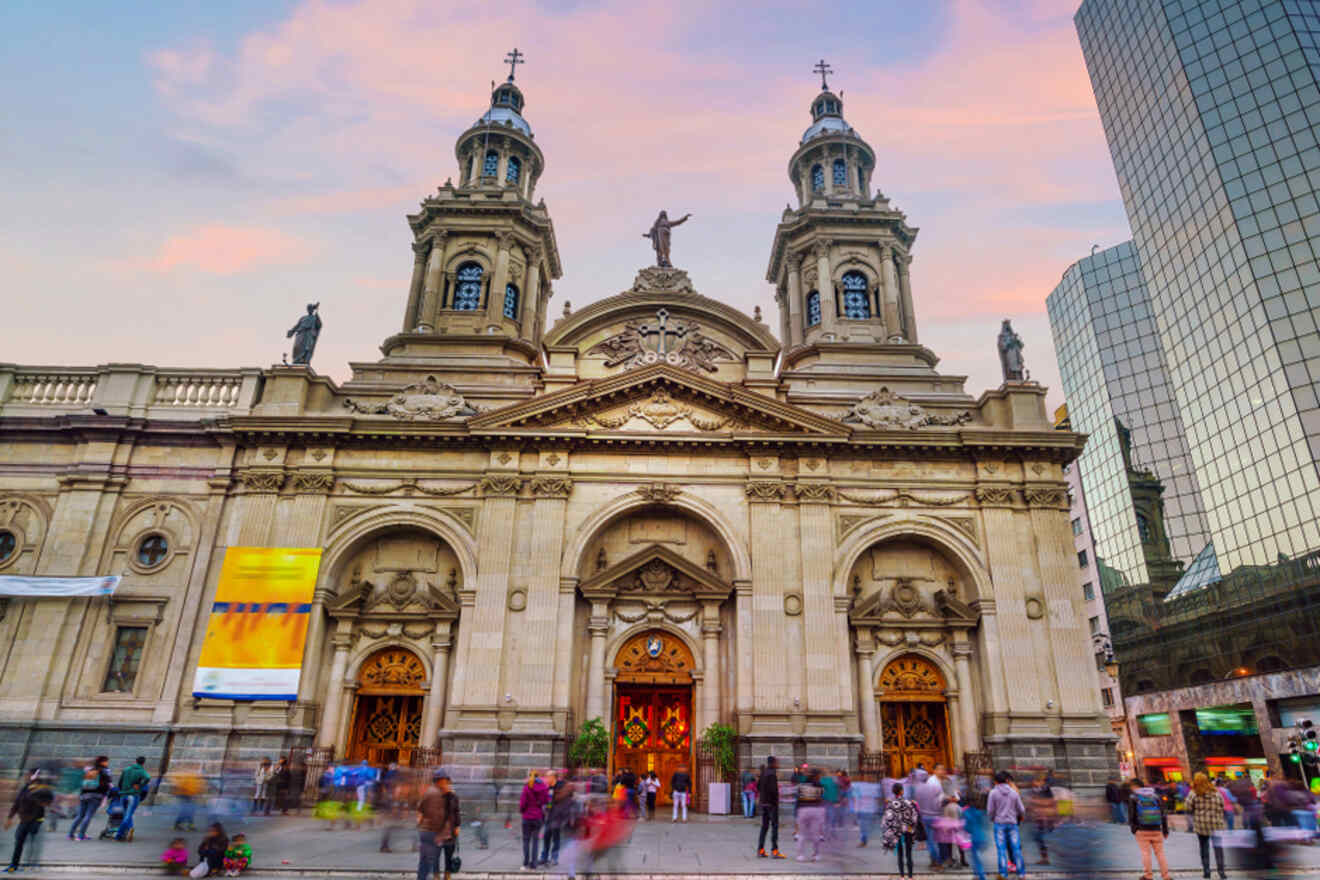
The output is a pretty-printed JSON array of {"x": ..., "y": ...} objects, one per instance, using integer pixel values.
[
  {"x": 915, "y": 733},
  {"x": 653, "y": 731},
  {"x": 386, "y": 727}
]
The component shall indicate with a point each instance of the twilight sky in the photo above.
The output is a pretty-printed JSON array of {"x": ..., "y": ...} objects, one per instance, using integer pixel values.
[{"x": 183, "y": 178}]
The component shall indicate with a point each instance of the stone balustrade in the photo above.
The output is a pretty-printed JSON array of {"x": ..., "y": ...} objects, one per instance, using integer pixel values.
[{"x": 132, "y": 390}]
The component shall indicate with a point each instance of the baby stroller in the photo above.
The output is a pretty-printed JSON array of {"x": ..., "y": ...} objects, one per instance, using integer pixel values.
[{"x": 114, "y": 814}]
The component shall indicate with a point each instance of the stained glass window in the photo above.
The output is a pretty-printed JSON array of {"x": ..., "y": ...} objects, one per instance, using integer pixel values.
[
  {"x": 8, "y": 543},
  {"x": 856, "y": 296},
  {"x": 491, "y": 165},
  {"x": 515, "y": 168},
  {"x": 840, "y": 172},
  {"x": 817, "y": 178},
  {"x": 813, "y": 308},
  {"x": 152, "y": 550},
  {"x": 125, "y": 658},
  {"x": 467, "y": 287},
  {"x": 511, "y": 302}
]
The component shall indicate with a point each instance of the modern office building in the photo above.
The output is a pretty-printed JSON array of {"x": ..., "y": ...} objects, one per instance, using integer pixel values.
[
  {"x": 1142, "y": 494},
  {"x": 1211, "y": 110}
]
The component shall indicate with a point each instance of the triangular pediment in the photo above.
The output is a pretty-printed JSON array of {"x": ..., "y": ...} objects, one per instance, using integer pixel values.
[
  {"x": 400, "y": 597},
  {"x": 656, "y": 569},
  {"x": 660, "y": 399}
]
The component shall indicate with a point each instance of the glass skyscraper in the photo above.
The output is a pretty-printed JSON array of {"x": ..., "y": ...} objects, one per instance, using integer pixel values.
[
  {"x": 1118, "y": 392},
  {"x": 1212, "y": 109}
]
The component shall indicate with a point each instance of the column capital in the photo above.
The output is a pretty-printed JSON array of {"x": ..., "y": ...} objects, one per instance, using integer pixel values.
[
  {"x": 420, "y": 250},
  {"x": 962, "y": 651},
  {"x": 822, "y": 248},
  {"x": 598, "y": 627},
  {"x": 711, "y": 629},
  {"x": 505, "y": 240},
  {"x": 341, "y": 641},
  {"x": 864, "y": 647}
]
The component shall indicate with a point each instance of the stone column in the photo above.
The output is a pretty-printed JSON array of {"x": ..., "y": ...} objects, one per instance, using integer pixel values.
[
  {"x": 334, "y": 692},
  {"x": 431, "y": 286},
  {"x": 500, "y": 278},
  {"x": 889, "y": 293},
  {"x": 710, "y": 639},
  {"x": 745, "y": 676},
  {"x": 905, "y": 286},
  {"x": 433, "y": 712},
  {"x": 535, "y": 681},
  {"x": 825, "y": 287},
  {"x": 420, "y": 250},
  {"x": 314, "y": 649},
  {"x": 529, "y": 310},
  {"x": 794, "y": 338},
  {"x": 484, "y": 651},
  {"x": 560, "y": 697},
  {"x": 968, "y": 735},
  {"x": 597, "y": 626},
  {"x": 870, "y": 715}
]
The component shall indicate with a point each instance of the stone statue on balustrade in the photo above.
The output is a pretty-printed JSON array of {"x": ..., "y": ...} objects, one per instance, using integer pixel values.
[
  {"x": 304, "y": 335},
  {"x": 1010, "y": 354},
  {"x": 659, "y": 233}
]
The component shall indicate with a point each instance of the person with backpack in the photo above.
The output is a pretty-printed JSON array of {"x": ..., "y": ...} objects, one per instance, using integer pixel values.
[
  {"x": 30, "y": 810},
  {"x": 133, "y": 784},
  {"x": 94, "y": 787},
  {"x": 1150, "y": 826}
]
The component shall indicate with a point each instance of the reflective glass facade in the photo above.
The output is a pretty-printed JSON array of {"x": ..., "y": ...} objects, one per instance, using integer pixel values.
[
  {"x": 1113, "y": 372},
  {"x": 1211, "y": 109}
]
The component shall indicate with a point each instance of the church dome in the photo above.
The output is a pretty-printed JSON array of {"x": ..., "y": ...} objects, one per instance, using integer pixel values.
[
  {"x": 506, "y": 104},
  {"x": 827, "y": 117}
]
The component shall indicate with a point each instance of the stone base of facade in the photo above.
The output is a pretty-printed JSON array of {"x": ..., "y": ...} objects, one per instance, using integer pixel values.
[
  {"x": 205, "y": 750},
  {"x": 1083, "y": 764}
]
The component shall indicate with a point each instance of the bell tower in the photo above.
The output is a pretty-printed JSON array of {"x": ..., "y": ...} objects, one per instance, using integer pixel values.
[
  {"x": 484, "y": 254},
  {"x": 840, "y": 259}
]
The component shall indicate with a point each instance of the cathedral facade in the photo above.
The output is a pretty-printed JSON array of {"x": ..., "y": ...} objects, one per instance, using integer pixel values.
[{"x": 655, "y": 511}]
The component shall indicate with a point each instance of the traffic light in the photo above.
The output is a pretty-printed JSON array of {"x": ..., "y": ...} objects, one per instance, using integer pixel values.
[{"x": 1310, "y": 742}]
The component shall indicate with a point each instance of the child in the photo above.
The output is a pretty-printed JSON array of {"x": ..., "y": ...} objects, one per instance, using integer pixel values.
[
  {"x": 237, "y": 856},
  {"x": 175, "y": 858},
  {"x": 946, "y": 830},
  {"x": 978, "y": 830}
]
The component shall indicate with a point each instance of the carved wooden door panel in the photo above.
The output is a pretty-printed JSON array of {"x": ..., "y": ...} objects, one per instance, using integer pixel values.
[
  {"x": 914, "y": 733},
  {"x": 386, "y": 728}
]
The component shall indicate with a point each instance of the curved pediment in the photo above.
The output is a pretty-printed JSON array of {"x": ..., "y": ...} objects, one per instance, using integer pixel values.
[{"x": 661, "y": 319}]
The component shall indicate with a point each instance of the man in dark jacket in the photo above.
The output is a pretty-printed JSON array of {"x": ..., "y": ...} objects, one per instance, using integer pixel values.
[
  {"x": 93, "y": 789},
  {"x": 680, "y": 788},
  {"x": 767, "y": 795},
  {"x": 1117, "y": 802},
  {"x": 30, "y": 809}
]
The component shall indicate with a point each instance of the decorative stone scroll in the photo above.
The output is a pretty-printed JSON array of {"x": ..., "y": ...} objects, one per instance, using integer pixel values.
[
  {"x": 657, "y": 279},
  {"x": 426, "y": 401},
  {"x": 313, "y": 484},
  {"x": 500, "y": 484},
  {"x": 994, "y": 496},
  {"x": 551, "y": 487},
  {"x": 885, "y": 410},
  {"x": 814, "y": 492},
  {"x": 408, "y": 486},
  {"x": 767, "y": 491},
  {"x": 1046, "y": 497},
  {"x": 263, "y": 481},
  {"x": 660, "y": 493},
  {"x": 660, "y": 410},
  {"x": 900, "y": 496},
  {"x": 678, "y": 343}
]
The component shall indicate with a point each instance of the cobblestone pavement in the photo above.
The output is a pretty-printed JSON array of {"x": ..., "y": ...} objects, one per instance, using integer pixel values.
[{"x": 709, "y": 848}]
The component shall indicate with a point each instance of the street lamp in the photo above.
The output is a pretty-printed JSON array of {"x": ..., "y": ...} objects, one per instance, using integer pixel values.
[{"x": 1104, "y": 647}]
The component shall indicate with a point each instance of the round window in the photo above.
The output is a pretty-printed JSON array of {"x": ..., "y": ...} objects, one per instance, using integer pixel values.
[
  {"x": 8, "y": 544},
  {"x": 151, "y": 552}
]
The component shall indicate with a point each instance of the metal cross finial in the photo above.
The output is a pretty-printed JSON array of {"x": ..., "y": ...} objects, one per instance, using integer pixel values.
[
  {"x": 513, "y": 59},
  {"x": 823, "y": 69}
]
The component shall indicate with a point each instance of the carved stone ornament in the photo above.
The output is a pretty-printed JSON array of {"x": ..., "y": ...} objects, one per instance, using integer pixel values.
[
  {"x": 678, "y": 343},
  {"x": 793, "y": 604},
  {"x": 263, "y": 481},
  {"x": 766, "y": 491},
  {"x": 408, "y": 486},
  {"x": 885, "y": 410},
  {"x": 660, "y": 493},
  {"x": 1047, "y": 497},
  {"x": 517, "y": 600},
  {"x": 551, "y": 487},
  {"x": 996, "y": 496},
  {"x": 313, "y": 484},
  {"x": 814, "y": 492},
  {"x": 500, "y": 484},
  {"x": 655, "y": 279},
  {"x": 427, "y": 401},
  {"x": 660, "y": 410},
  {"x": 902, "y": 497}
]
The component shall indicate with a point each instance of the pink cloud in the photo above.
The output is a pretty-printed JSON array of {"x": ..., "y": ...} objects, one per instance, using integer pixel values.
[{"x": 222, "y": 250}]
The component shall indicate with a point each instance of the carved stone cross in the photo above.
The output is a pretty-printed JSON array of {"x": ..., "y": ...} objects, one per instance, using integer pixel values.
[{"x": 662, "y": 330}]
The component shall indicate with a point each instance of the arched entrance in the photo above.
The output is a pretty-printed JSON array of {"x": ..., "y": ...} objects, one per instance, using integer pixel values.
[
  {"x": 914, "y": 714},
  {"x": 652, "y": 729},
  {"x": 387, "y": 710}
]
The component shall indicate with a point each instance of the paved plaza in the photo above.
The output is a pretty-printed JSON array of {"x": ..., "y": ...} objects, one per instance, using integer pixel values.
[{"x": 714, "y": 847}]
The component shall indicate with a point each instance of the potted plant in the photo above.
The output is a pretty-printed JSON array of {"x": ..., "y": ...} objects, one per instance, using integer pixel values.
[
  {"x": 719, "y": 740},
  {"x": 591, "y": 746}
]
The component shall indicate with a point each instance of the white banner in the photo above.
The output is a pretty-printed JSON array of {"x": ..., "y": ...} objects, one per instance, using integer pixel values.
[
  {"x": 57, "y": 587},
  {"x": 246, "y": 684}
]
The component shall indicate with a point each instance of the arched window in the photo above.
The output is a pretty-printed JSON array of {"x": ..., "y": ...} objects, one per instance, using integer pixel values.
[
  {"x": 856, "y": 296},
  {"x": 840, "y": 173},
  {"x": 813, "y": 308},
  {"x": 861, "y": 181},
  {"x": 467, "y": 287},
  {"x": 817, "y": 178},
  {"x": 491, "y": 165},
  {"x": 514, "y": 169},
  {"x": 511, "y": 302},
  {"x": 1143, "y": 528}
]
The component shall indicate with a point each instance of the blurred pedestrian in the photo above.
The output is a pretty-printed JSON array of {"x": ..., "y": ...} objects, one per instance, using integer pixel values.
[
  {"x": 281, "y": 778},
  {"x": 865, "y": 799},
  {"x": 261, "y": 787},
  {"x": 748, "y": 781},
  {"x": 898, "y": 825},
  {"x": 438, "y": 821},
  {"x": 1150, "y": 826},
  {"x": 929, "y": 796},
  {"x": 1114, "y": 797},
  {"x": 767, "y": 794},
  {"x": 531, "y": 806},
  {"x": 1006, "y": 811},
  {"x": 29, "y": 808},
  {"x": 977, "y": 827},
  {"x": 560, "y": 816},
  {"x": 94, "y": 787},
  {"x": 1042, "y": 808},
  {"x": 1206, "y": 808},
  {"x": 811, "y": 815},
  {"x": 680, "y": 786},
  {"x": 188, "y": 787}
]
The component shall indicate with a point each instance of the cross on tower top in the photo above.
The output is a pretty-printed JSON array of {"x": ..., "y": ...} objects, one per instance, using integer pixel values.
[
  {"x": 823, "y": 69},
  {"x": 513, "y": 59}
]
